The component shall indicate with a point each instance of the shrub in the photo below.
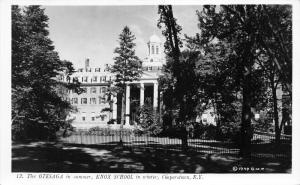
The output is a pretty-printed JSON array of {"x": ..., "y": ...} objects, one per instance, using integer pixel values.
[
  {"x": 204, "y": 131},
  {"x": 105, "y": 132},
  {"x": 171, "y": 131},
  {"x": 148, "y": 121},
  {"x": 229, "y": 131}
]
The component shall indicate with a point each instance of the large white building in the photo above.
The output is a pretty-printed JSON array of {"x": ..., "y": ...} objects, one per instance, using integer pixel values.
[{"x": 93, "y": 101}]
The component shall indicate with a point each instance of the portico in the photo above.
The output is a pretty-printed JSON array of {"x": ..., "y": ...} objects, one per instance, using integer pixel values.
[{"x": 142, "y": 85}]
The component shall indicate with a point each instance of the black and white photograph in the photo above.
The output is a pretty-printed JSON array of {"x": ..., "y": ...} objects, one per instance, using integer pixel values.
[{"x": 169, "y": 89}]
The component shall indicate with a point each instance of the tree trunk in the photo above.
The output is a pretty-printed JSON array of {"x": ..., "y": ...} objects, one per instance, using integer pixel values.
[
  {"x": 247, "y": 91},
  {"x": 218, "y": 122},
  {"x": 276, "y": 117},
  {"x": 123, "y": 109},
  {"x": 246, "y": 125},
  {"x": 184, "y": 138},
  {"x": 275, "y": 109},
  {"x": 246, "y": 132},
  {"x": 111, "y": 110},
  {"x": 122, "y": 117}
]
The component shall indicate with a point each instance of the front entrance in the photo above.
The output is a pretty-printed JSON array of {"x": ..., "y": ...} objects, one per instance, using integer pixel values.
[
  {"x": 135, "y": 103},
  {"x": 137, "y": 93}
]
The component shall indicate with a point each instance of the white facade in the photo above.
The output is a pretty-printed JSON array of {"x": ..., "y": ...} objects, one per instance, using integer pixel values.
[{"x": 90, "y": 104}]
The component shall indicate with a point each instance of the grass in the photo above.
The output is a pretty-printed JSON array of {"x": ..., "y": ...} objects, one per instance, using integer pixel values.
[{"x": 147, "y": 156}]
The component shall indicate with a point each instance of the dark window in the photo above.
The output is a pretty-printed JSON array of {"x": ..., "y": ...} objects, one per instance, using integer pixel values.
[
  {"x": 84, "y": 79},
  {"x": 93, "y": 90},
  {"x": 103, "y": 99},
  {"x": 103, "y": 90},
  {"x": 75, "y": 100},
  {"x": 75, "y": 79},
  {"x": 83, "y": 100},
  {"x": 92, "y": 100}
]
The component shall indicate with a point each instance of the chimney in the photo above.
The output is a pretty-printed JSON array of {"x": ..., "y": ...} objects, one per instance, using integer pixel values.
[{"x": 87, "y": 63}]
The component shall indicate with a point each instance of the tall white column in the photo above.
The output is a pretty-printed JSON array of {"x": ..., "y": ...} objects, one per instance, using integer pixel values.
[
  {"x": 114, "y": 116},
  {"x": 155, "y": 95},
  {"x": 142, "y": 94},
  {"x": 127, "y": 105}
]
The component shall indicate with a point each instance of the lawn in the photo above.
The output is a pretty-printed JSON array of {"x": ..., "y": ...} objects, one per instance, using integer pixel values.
[{"x": 112, "y": 158}]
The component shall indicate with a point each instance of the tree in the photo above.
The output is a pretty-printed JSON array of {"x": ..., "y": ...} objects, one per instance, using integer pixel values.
[
  {"x": 275, "y": 40},
  {"x": 219, "y": 82},
  {"x": 247, "y": 28},
  {"x": 226, "y": 27},
  {"x": 38, "y": 110},
  {"x": 148, "y": 119},
  {"x": 127, "y": 67},
  {"x": 275, "y": 57},
  {"x": 180, "y": 81},
  {"x": 272, "y": 77}
]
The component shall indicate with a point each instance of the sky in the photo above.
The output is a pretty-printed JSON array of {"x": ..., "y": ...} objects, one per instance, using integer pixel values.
[{"x": 81, "y": 32}]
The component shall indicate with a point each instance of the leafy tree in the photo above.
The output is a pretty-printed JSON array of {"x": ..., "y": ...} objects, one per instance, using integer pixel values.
[
  {"x": 218, "y": 78},
  {"x": 275, "y": 57},
  {"x": 272, "y": 97},
  {"x": 38, "y": 109},
  {"x": 148, "y": 120},
  {"x": 215, "y": 25},
  {"x": 246, "y": 28},
  {"x": 275, "y": 40},
  {"x": 180, "y": 81},
  {"x": 127, "y": 67}
]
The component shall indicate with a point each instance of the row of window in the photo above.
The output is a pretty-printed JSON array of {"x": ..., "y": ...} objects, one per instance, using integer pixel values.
[
  {"x": 84, "y": 101},
  {"x": 95, "y": 79},
  {"x": 86, "y": 79},
  {"x": 91, "y": 70},
  {"x": 100, "y": 79},
  {"x": 83, "y": 118},
  {"x": 93, "y": 90},
  {"x": 92, "y": 118},
  {"x": 151, "y": 68}
]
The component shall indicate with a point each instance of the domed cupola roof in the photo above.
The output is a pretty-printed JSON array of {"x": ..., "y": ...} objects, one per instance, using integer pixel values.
[{"x": 155, "y": 38}]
